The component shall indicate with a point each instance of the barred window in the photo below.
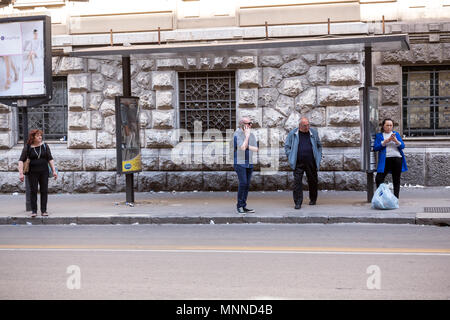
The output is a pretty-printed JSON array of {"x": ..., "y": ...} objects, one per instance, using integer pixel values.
[
  {"x": 209, "y": 97},
  {"x": 426, "y": 106},
  {"x": 51, "y": 118}
]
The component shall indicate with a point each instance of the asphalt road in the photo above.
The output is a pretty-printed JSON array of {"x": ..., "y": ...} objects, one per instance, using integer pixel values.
[{"x": 340, "y": 261}]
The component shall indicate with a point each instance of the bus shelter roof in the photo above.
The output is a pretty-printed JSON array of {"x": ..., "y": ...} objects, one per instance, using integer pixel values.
[{"x": 264, "y": 47}]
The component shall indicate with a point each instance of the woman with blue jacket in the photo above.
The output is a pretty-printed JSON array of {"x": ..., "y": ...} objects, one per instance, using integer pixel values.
[{"x": 391, "y": 158}]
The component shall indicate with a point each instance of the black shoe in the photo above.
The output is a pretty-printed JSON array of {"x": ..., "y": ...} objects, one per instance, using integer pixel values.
[
  {"x": 241, "y": 210},
  {"x": 298, "y": 206},
  {"x": 312, "y": 203},
  {"x": 249, "y": 210}
]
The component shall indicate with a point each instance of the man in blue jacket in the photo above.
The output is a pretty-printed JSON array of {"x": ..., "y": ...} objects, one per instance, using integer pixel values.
[{"x": 304, "y": 152}]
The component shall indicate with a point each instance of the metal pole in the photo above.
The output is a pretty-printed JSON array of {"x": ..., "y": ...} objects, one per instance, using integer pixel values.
[
  {"x": 367, "y": 85},
  {"x": 126, "y": 75},
  {"x": 267, "y": 31},
  {"x": 25, "y": 137}
]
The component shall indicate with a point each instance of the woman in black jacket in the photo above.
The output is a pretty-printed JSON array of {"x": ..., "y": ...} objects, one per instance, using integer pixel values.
[{"x": 40, "y": 157}]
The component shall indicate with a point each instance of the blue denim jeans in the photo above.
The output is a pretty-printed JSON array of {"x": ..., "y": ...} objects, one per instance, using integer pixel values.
[{"x": 244, "y": 175}]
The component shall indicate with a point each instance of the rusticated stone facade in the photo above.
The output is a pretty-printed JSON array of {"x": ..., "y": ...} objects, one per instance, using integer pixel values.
[{"x": 274, "y": 91}]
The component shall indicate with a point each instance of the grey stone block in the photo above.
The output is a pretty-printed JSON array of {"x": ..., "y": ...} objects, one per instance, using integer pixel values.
[
  {"x": 184, "y": 181},
  {"x": 438, "y": 169},
  {"x": 355, "y": 181},
  {"x": 317, "y": 75},
  {"x": 214, "y": 181},
  {"x": 343, "y": 116},
  {"x": 294, "y": 68},
  {"x": 329, "y": 58},
  {"x": 387, "y": 74},
  {"x": 152, "y": 181},
  {"x": 267, "y": 97},
  {"x": 338, "y": 96},
  {"x": 84, "y": 182},
  {"x": 332, "y": 162},
  {"x": 232, "y": 181},
  {"x": 239, "y": 62},
  {"x": 400, "y": 57},
  {"x": 344, "y": 74},
  {"x": 270, "y": 61},
  {"x": 352, "y": 162},
  {"x": 416, "y": 169},
  {"x": 340, "y": 137},
  {"x": 420, "y": 52},
  {"x": 249, "y": 78},
  {"x": 326, "y": 180},
  {"x": 277, "y": 181},
  {"x": 105, "y": 182},
  {"x": 292, "y": 86},
  {"x": 257, "y": 181},
  {"x": 390, "y": 95}
]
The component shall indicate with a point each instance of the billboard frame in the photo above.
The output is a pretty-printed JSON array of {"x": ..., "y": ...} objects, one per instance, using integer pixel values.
[
  {"x": 119, "y": 142},
  {"x": 35, "y": 99}
]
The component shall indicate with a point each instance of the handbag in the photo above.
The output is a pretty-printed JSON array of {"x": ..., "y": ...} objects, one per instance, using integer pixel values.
[{"x": 50, "y": 172}]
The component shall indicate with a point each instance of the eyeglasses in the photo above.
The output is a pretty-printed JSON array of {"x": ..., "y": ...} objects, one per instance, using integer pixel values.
[{"x": 250, "y": 123}]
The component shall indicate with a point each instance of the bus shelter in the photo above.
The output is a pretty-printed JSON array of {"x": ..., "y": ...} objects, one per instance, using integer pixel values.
[{"x": 266, "y": 47}]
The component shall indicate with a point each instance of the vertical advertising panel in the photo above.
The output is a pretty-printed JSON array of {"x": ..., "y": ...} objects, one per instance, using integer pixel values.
[
  {"x": 369, "y": 127},
  {"x": 24, "y": 57},
  {"x": 127, "y": 135}
]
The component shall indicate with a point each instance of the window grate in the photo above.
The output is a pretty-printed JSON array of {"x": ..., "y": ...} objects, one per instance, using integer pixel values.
[
  {"x": 426, "y": 101},
  {"x": 209, "y": 97},
  {"x": 51, "y": 118}
]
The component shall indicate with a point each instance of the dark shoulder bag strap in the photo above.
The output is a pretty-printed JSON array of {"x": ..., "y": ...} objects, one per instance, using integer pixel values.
[{"x": 45, "y": 148}]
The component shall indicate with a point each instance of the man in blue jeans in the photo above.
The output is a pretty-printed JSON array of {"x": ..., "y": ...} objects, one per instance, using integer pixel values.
[{"x": 244, "y": 144}]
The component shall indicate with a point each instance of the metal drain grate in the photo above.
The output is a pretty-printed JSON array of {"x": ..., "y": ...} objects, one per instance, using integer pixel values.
[{"x": 436, "y": 209}]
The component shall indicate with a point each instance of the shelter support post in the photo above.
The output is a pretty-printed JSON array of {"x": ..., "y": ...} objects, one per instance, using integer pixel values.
[
  {"x": 126, "y": 76},
  {"x": 25, "y": 138},
  {"x": 367, "y": 85}
]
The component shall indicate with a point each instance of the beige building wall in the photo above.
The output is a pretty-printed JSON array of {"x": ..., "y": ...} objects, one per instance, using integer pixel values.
[{"x": 102, "y": 16}]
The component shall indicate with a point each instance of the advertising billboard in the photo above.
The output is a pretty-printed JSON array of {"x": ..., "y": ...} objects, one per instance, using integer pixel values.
[
  {"x": 369, "y": 127},
  {"x": 127, "y": 135},
  {"x": 25, "y": 57}
]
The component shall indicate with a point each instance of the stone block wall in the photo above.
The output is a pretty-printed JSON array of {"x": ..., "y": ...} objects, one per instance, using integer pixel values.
[{"x": 274, "y": 91}]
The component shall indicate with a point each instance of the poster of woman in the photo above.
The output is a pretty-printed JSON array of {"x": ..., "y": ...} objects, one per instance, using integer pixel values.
[{"x": 22, "y": 58}]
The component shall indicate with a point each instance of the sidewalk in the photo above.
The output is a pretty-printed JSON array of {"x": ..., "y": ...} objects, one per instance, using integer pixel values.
[{"x": 219, "y": 208}]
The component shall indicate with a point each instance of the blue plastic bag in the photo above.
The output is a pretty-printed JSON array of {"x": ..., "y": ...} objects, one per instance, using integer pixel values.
[{"x": 384, "y": 199}]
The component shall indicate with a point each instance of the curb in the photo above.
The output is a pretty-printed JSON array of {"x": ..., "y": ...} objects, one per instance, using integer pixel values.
[{"x": 115, "y": 220}]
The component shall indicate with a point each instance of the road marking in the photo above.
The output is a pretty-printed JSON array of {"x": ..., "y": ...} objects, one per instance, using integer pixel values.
[{"x": 231, "y": 249}]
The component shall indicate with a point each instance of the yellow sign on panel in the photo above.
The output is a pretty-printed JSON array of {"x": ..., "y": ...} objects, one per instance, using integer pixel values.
[{"x": 132, "y": 165}]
